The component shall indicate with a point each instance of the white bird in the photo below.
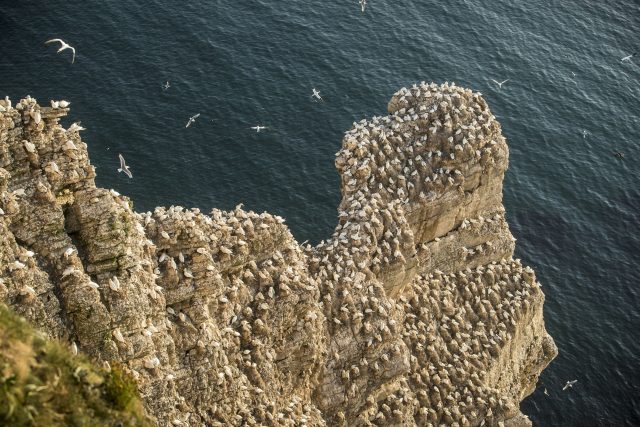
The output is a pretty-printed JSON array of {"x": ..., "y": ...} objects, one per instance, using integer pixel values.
[
  {"x": 64, "y": 104},
  {"x": 55, "y": 104},
  {"x": 363, "y": 4},
  {"x": 569, "y": 384},
  {"x": 75, "y": 127},
  {"x": 74, "y": 348},
  {"x": 258, "y": 128},
  {"x": 192, "y": 119},
  {"x": 316, "y": 94},
  {"x": 500, "y": 83},
  {"x": 166, "y": 85},
  {"x": 123, "y": 167},
  {"x": 64, "y": 46},
  {"x": 628, "y": 57}
]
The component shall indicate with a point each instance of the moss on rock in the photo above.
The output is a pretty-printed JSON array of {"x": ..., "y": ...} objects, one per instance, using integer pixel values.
[{"x": 43, "y": 384}]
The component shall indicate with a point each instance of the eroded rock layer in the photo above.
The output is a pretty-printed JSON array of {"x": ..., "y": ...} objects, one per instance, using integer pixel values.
[{"x": 413, "y": 312}]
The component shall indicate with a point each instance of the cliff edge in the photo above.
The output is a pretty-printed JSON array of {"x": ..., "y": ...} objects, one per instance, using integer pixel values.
[{"x": 413, "y": 312}]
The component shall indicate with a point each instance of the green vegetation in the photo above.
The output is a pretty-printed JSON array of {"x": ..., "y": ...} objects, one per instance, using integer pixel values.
[{"x": 43, "y": 384}]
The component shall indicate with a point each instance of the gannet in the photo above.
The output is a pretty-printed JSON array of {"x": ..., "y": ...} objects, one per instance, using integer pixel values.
[
  {"x": 500, "y": 83},
  {"x": 192, "y": 119},
  {"x": 628, "y": 57},
  {"x": 63, "y": 47},
  {"x": 258, "y": 128},
  {"x": 75, "y": 127},
  {"x": 363, "y": 4},
  {"x": 316, "y": 94},
  {"x": 123, "y": 167},
  {"x": 166, "y": 85},
  {"x": 569, "y": 384}
]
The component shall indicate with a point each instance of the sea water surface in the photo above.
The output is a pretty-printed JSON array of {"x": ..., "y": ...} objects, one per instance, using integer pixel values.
[{"x": 568, "y": 105}]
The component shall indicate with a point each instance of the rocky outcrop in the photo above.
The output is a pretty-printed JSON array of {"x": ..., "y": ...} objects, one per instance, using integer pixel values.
[{"x": 413, "y": 312}]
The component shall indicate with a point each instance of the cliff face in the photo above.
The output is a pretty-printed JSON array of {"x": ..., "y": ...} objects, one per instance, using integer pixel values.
[{"x": 412, "y": 312}]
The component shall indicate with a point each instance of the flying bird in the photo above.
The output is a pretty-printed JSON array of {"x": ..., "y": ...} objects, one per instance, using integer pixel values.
[
  {"x": 628, "y": 57},
  {"x": 316, "y": 94},
  {"x": 363, "y": 4},
  {"x": 64, "y": 46},
  {"x": 166, "y": 85},
  {"x": 192, "y": 119},
  {"x": 123, "y": 167},
  {"x": 258, "y": 128},
  {"x": 569, "y": 384},
  {"x": 500, "y": 83}
]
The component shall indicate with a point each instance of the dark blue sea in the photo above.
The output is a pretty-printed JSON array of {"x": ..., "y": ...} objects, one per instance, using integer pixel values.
[{"x": 568, "y": 105}]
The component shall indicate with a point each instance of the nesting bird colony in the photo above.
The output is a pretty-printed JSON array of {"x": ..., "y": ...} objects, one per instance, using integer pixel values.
[{"x": 413, "y": 312}]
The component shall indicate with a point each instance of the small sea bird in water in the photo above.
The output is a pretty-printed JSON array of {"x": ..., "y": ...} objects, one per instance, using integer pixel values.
[
  {"x": 363, "y": 4},
  {"x": 569, "y": 384},
  {"x": 258, "y": 128},
  {"x": 500, "y": 83},
  {"x": 192, "y": 119},
  {"x": 619, "y": 155},
  {"x": 123, "y": 167},
  {"x": 166, "y": 85},
  {"x": 316, "y": 94},
  {"x": 584, "y": 133},
  {"x": 64, "y": 46},
  {"x": 628, "y": 57}
]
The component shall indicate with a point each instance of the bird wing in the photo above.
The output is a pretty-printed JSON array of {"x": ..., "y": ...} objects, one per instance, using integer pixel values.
[
  {"x": 74, "y": 54},
  {"x": 122, "y": 163},
  {"x": 53, "y": 40},
  {"x": 504, "y": 81},
  {"x": 196, "y": 116},
  {"x": 495, "y": 82}
]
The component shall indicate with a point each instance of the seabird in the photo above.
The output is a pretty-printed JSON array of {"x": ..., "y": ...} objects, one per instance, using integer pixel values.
[
  {"x": 75, "y": 127},
  {"x": 258, "y": 128},
  {"x": 166, "y": 85},
  {"x": 64, "y": 46},
  {"x": 500, "y": 83},
  {"x": 628, "y": 57},
  {"x": 569, "y": 384},
  {"x": 123, "y": 167},
  {"x": 363, "y": 4},
  {"x": 316, "y": 94},
  {"x": 192, "y": 119}
]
